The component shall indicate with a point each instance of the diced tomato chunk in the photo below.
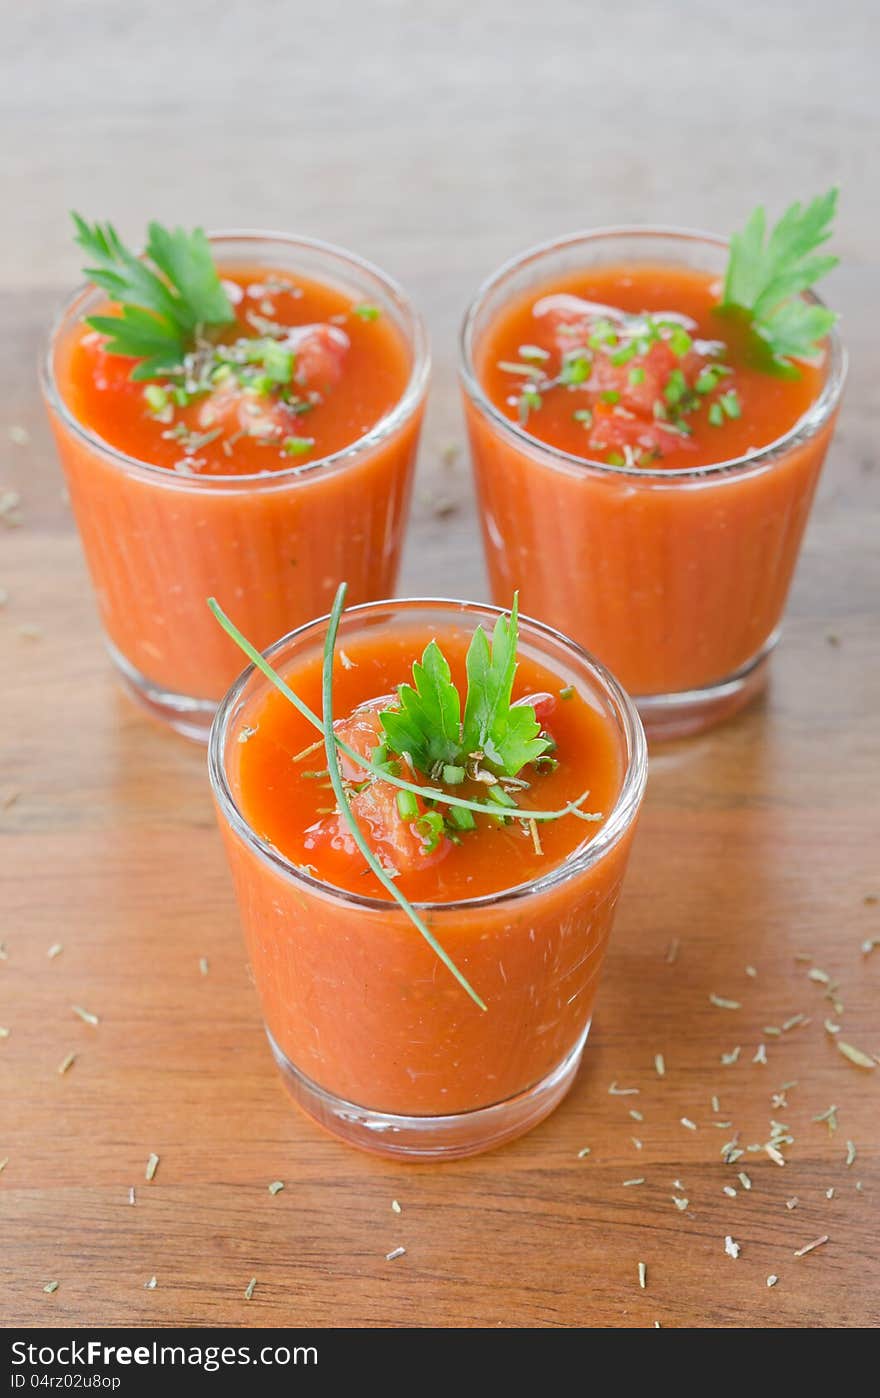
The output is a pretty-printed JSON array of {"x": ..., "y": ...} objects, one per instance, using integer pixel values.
[
  {"x": 320, "y": 354},
  {"x": 233, "y": 408},
  {"x": 613, "y": 430},
  {"x": 110, "y": 371},
  {"x": 399, "y": 842},
  {"x": 543, "y": 705}
]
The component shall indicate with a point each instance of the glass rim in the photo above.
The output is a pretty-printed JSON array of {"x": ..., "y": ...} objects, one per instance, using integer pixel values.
[
  {"x": 619, "y": 819},
  {"x": 806, "y": 427},
  {"x": 387, "y": 424}
]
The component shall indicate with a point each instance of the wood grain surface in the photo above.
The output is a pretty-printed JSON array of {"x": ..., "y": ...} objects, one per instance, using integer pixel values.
[{"x": 436, "y": 140}]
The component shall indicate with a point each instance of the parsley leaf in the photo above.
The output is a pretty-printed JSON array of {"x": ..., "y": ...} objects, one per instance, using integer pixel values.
[
  {"x": 161, "y": 304},
  {"x": 766, "y": 274},
  {"x": 428, "y": 726}
]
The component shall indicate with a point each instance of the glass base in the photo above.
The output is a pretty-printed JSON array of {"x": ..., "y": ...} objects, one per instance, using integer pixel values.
[
  {"x": 191, "y": 717},
  {"x": 431, "y": 1137},
  {"x": 669, "y": 716}
]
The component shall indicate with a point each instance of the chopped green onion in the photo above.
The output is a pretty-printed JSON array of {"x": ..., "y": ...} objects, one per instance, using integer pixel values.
[
  {"x": 676, "y": 387},
  {"x": 431, "y": 825},
  {"x": 452, "y": 775},
  {"x": 680, "y": 341},
  {"x": 367, "y": 312},
  {"x": 625, "y": 354},
  {"x": 278, "y": 362},
  {"x": 156, "y": 398},
  {"x": 576, "y": 370},
  {"x": 298, "y": 446},
  {"x": 462, "y": 819},
  {"x": 407, "y": 805},
  {"x": 716, "y": 415},
  {"x": 501, "y": 797},
  {"x": 636, "y": 375},
  {"x": 730, "y": 403}
]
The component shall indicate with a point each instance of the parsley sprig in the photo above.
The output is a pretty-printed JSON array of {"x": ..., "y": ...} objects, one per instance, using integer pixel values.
[
  {"x": 165, "y": 297},
  {"x": 428, "y": 728},
  {"x": 766, "y": 274}
]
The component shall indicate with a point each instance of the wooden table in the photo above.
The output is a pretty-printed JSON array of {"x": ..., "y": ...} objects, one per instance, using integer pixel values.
[{"x": 437, "y": 144}]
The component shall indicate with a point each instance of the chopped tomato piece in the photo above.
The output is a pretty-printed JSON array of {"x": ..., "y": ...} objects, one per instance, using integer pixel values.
[
  {"x": 543, "y": 705},
  {"x": 237, "y": 409},
  {"x": 320, "y": 354},
  {"x": 615, "y": 428},
  {"x": 110, "y": 371},
  {"x": 400, "y": 843}
]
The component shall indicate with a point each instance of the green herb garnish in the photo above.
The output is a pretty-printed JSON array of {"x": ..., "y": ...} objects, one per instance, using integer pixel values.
[
  {"x": 461, "y": 806},
  {"x": 766, "y": 275},
  {"x": 166, "y": 296},
  {"x": 428, "y": 728}
]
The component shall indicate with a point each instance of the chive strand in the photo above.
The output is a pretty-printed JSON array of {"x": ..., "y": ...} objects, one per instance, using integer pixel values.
[{"x": 332, "y": 748}]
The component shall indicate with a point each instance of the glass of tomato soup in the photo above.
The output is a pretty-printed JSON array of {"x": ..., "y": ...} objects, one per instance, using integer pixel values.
[
  {"x": 374, "y": 1037},
  {"x": 644, "y": 476},
  {"x": 264, "y": 480}
]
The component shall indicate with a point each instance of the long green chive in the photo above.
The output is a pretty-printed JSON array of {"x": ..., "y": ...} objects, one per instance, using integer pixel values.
[
  {"x": 341, "y": 795},
  {"x": 430, "y": 793}
]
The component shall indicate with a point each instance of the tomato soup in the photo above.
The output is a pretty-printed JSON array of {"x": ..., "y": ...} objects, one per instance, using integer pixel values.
[
  {"x": 276, "y": 463},
  {"x": 354, "y": 999},
  {"x": 602, "y": 402}
]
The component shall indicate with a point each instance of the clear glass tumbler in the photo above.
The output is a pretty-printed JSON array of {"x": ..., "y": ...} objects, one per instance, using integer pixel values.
[
  {"x": 675, "y": 579},
  {"x": 373, "y": 1038},
  {"x": 271, "y": 547}
]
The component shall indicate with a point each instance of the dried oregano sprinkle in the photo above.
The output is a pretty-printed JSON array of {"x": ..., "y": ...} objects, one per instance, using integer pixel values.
[{"x": 721, "y": 1004}]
